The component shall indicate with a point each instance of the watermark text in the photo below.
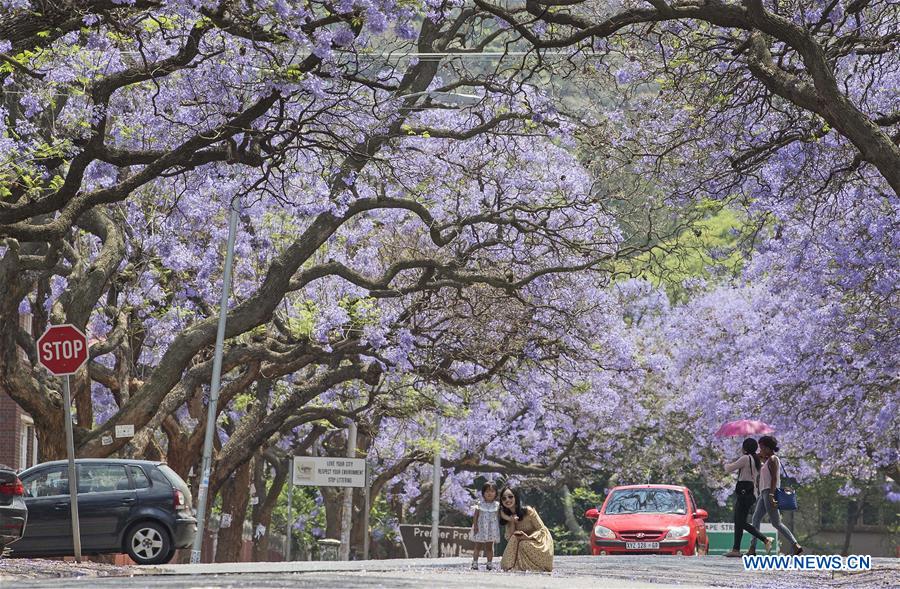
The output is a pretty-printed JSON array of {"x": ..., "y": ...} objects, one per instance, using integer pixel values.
[{"x": 807, "y": 562}]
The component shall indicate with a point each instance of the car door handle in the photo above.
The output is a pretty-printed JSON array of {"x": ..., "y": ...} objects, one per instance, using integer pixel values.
[
  {"x": 129, "y": 501},
  {"x": 60, "y": 506}
]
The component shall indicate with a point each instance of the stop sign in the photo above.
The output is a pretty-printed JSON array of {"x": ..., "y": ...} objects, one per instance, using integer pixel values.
[{"x": 62, "y": 349}]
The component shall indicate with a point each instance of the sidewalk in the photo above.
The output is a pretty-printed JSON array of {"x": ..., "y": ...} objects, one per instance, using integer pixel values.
[
  {"x": 570, "y": 572},
  {"x": 305, "y": 566}
]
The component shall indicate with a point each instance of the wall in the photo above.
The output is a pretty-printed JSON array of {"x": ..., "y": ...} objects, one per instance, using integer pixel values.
[{"x": 13, "y": 422}]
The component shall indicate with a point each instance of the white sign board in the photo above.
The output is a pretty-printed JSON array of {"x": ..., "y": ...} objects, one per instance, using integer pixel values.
[
  {"x": 729, "y": 528},
  {"x": 125, "y": 431},
  {"x": 326, "y": 471}
]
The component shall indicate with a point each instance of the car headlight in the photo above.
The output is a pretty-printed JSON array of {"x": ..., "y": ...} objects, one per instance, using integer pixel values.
[
  {"x": 678, "y": 532},
  {"x": 602, "y": 532}
]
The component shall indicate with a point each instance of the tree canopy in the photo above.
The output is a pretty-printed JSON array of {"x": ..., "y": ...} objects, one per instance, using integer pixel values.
[{"x": 585, "y": 233}]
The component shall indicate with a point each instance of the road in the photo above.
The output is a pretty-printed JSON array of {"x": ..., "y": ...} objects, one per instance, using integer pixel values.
[{"x": 573, "y": 572}]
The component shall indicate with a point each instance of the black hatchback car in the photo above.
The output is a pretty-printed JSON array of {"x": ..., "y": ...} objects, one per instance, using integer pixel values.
[
  {"x": 136, "y": 506},
  {"x": 13, "y": 512}
]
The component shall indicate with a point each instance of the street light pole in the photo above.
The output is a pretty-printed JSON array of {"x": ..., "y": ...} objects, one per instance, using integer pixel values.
[{"x": 212, "y": 408}]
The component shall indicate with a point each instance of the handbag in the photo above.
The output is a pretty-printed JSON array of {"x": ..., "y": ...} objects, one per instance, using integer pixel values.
[
  {"x": 785, "y": 497},
  {"x": 746, "y": 489}
]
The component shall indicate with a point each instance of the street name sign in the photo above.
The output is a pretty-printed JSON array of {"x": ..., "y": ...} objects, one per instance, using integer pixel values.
[
  {"x": 721, "y": 536},
  {"x": 453, "y": 541}
]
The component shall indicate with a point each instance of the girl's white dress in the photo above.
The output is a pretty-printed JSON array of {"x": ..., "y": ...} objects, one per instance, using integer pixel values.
[{"x": 488, "y": 525}]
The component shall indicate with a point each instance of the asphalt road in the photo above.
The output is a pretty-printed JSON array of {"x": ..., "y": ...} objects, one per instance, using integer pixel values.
[{"x": 574, "y": 572}]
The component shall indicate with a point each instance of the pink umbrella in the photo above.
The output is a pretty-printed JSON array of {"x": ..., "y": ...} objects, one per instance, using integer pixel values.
[{"x": 743, "y": 427}]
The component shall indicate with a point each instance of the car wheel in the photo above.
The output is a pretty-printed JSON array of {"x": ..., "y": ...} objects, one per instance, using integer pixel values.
[
  {"x": 148, "y": 543},
  {"x": 171, "y": 555}
]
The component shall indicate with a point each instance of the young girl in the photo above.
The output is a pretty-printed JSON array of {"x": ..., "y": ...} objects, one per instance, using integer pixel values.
[{"x": 485, "y": 526}]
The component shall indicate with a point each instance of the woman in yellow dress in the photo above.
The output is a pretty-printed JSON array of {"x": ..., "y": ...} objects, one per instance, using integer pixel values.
[{"x": 529, "y": 543}]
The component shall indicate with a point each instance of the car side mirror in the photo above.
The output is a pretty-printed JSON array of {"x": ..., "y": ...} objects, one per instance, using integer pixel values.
[
  {"x": 592, "y": 513},
  {"x": 701, "y": 513}
]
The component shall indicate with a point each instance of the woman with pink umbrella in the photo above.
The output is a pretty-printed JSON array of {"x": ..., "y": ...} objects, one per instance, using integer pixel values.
[
  {"x": 745, "y": 493},
  {"x": 746, "y": 490}
]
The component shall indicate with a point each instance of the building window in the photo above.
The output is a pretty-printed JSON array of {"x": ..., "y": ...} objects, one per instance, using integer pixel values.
[{"x": 28, "y": 444}]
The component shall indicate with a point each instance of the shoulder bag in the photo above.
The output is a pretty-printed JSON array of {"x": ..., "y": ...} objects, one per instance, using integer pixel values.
[{"x": 785, "y": 497}]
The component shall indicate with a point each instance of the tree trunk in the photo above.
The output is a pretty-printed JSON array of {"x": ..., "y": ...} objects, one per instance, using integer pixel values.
[
  {"x": 357, "y": 527},
  {"x": 853, "y": 509},
  {"x": 358, "y": 513},
  {"x": 334, "y": 507},
  {"x": 235, "y": 496},
  {"x": 185, "y": 449},
  {"x": 262, "y": 511},
  {"x": 80, "y": 388},
  {"x": 571, "y": 521},
  {"x": 52, "y": 440}
]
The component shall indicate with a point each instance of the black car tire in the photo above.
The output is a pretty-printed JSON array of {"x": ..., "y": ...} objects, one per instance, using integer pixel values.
[
  {"x": 148, "y": 542},
  {"x": 171, "y": 554}
]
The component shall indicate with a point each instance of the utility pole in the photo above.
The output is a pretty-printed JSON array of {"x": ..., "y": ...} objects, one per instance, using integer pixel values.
[{"x": 212, "y": 408}]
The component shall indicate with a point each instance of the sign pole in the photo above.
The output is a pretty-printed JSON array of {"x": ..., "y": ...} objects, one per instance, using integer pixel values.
[
  {"x": 73, "y": 482},
  {"x": 287, "y": 531},
  {"x": 333, "y": 471},
  {"x": 212, "y": 409},
  {"x": 63, "y": 350},
  {"x": 348, "y": 496},
  {"x": 436, "y": 490},
  {"x": 366, "y": 517}
]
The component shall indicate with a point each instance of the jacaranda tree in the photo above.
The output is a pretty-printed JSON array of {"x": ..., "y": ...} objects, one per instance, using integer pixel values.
[{"x": 423, "y": 233}]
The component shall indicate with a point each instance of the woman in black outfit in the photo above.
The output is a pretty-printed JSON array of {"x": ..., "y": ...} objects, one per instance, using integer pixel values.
[{"x": 747, "y": 467}]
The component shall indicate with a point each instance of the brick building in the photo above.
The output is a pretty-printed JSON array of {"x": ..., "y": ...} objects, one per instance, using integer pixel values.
[{"x": 18, "y": 440}]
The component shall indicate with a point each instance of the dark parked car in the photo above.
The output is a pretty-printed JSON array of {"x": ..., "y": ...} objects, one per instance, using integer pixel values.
[
  {"x": 13, "y": 512},
  {"x": 136, "y": 506}
]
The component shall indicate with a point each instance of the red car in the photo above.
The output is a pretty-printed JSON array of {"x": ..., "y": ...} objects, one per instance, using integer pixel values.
[{"x": 649, "y": 519}]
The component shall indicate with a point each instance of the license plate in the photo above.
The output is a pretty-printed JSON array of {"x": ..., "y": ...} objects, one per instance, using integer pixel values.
[{"x": 642, "y": 545}]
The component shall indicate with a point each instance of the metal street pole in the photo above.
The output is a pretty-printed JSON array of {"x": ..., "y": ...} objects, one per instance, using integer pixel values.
[
  {"x": 348, "y": 496},
  {"x": 287, "y": 531},
  {"x": 203, "y": 494},
  {"x": 73, "y": 482},
  {"x": 366, "y": 516},
  {"x": 436, "y": 490}
]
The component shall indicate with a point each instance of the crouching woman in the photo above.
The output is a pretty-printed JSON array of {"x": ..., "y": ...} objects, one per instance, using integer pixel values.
[{"x": 529, "y": 543}]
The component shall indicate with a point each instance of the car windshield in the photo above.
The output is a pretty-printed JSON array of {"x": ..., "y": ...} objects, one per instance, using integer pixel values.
[{"x": 646, "y": 501}]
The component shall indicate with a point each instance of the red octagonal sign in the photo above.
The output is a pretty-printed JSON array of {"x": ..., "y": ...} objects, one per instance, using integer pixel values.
[{"x": 62, "y": 349}]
